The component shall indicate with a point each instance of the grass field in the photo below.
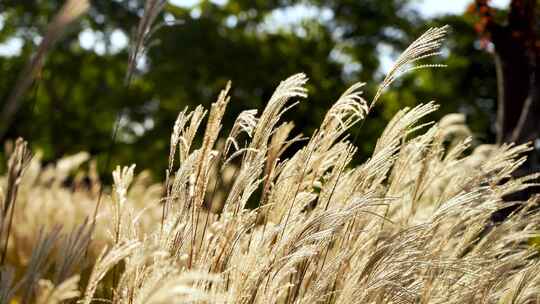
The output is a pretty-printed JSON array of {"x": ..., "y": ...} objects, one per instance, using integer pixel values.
[{"x": 412, "y": 224}]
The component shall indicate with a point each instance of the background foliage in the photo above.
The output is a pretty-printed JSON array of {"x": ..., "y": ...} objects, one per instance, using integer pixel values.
[{"x": 80, "y": 90}]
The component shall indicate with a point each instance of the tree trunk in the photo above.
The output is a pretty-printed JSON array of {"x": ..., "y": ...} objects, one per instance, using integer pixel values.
[
  {"x": 516, "y": 57},
  {"x": 517, "y": 54}
]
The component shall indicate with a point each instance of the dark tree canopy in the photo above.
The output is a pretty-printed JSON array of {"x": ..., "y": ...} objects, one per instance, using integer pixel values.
[{"x": 79, "y": 92}]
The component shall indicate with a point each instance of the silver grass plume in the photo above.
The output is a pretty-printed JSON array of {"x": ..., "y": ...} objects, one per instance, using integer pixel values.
[
  {"x": 105, "y": 261},
  {"x": 48, "y": 293},
  {"x": 424, "y": 47},
  {"x": 294, "y": 86},
  {"x": 211, "y": 134},
  {"x": 244, "y": 123}
]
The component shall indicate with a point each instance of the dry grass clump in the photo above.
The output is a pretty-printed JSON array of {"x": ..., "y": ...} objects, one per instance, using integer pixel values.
[{"x": 409, "y": 225}]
